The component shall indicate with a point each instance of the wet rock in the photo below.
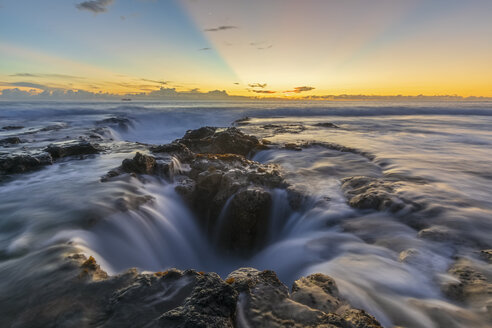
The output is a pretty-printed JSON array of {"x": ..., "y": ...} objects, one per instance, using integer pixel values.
[
  {"x": 264, "y": 301},
  {"x": 91, "y": 270},
  {"x": 360, "y": 319},
  {"x": 122, "y": 123},
  {"x": 140, "y": 164},
  {"x": 79, "y": 293},
  {"x": 10, "y": 141},
  {"x": 292, "y": 146},
  {"x": 229, "y": 193},
  {"x": 186, "y": 188},
  {"x": 72, "y": 149},
  {"x": 329, "y": 145},
  {"x": 242, "y": 121},
  {"x": 12, "y": 127},
  {"x": 295, "y": 198},
  {"x": 317, "y": 291},
  {"x": 486, "y": 254},
  {"x": 211, "y": 303},
  {"x": 54, "y": 127},
  {"x": 131, "y": 203},
  {"x": 285, "y": 128},
  {"x": 473, "y": 284},
  {"x": 374, "y": 193},
  {"x": 240, "y": 184},
  {"x": 246, "y": 224},
  {"x": 213, "y": 140},
  {"x": 176, "y": 149},
  {"x": 10, "y": 164},
  {"x": 327, "y": 125}
]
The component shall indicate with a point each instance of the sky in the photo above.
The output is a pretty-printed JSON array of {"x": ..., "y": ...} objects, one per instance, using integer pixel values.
[{"x": 253, "y": 48}]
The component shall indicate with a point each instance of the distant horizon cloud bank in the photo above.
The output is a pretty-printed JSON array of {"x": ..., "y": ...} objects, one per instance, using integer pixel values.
[{"x": 16, "y": 94}]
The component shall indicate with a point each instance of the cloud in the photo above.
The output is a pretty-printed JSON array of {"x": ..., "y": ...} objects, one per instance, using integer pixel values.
[
  {"x": 96, "y": 6},
  {"x": 221, "y": 28},
  {"x": 301, "y": 89},
  {"x": 257, "y": 85},
  {"x": 155, "y": 81},
  {"x": 28, "y": 85},
  {"x": 261, "y": 45},
  {"x": 204, "y": 49},
  {"x": 161, "y": 94},
  {"x": 15, "y": 94},
  {"x": 236, "y": 83},
  {"x": 44, "y": 75},
  {"x": 262, "y": 91}
]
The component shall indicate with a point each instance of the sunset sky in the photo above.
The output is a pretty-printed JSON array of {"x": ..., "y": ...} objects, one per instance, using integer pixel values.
[{"x": 279, "y": 48}]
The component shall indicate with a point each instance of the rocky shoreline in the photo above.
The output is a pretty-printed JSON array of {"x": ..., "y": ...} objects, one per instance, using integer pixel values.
[
  {"x": 83, "y": 295},
  {"x": 231, "y": 197}
]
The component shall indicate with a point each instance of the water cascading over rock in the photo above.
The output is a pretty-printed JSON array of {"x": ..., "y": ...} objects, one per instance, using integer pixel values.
[{"x": 230, "y": 194}]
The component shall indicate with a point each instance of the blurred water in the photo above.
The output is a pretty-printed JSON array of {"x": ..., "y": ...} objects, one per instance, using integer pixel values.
[{"x": 439, "y": 153}]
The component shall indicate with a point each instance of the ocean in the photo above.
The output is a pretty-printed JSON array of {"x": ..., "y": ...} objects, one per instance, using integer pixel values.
[{"x": 436, "y": 156}]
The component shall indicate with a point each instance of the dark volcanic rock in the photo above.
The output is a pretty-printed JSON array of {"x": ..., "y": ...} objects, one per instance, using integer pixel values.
[
  {"x": 122, "y": 123},
  {"x": 54, "y": 127},
  {"x": 320, "y": 292},
  {"x": 176, "y": 149},
  {"x": 10, "y": 141},
  {"x": 375, "y": 193},
  {"x": 72, "y": 149},
  {"x": 216, "y": 180},
  {"x": 264, "y": 301},
  {"x": 242, "y": 121},
  {"x": 285, "y": 128},
  {"x": 216, "y": 176},
  {"x": 328, "y": 145},
  {"x": 370, "y": 193},
  {"x": 292, "y": 146},
  {"x": 213, "y": 140},
  {"x": 80, "y": 294},
  {"x": 327, "y": 125},
  {"x": 473, "y": 285},
  {"x": 12, "y": 127},
  {"x": 211, "y": 303},
  {"x": 486, "y": 254},
  {"x": 23, "y": 163},
  {"x": 140, "y": 164},
  {"x": 246, "y": 224}
]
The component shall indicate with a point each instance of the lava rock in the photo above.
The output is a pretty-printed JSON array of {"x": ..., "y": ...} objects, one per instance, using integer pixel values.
[
  {"x": 245, "y": 224},
  {"x": 23, "y": 163},
  {"x": 79, "y": 293},
  {"x": 375, "y": 193},
  {"x": 72, "y": 149},
  {"x": 140, "y": 164},
  {"x": 242, "y": 121},
  {"x": 486, "y": 254},
  {"x": 292, "y": 146},
  {"x": 317, "y": 291},
  {"x": 122, "y": 123},
  {"x": 213, "y": 140},
  {"x": 10, "y": 141},
  {"x": 264, "y": 301},
  {"x": 473, "y": 284},
  {"x": 12, "y": 127},
  {"x": 176, "y": 149},
  {"x": 229, "y": 194},
  {"x": 294, "y": 128},
  {"x": 327, "y": 125}
]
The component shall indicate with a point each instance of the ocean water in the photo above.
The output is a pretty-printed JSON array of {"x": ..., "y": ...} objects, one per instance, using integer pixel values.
[{"x": 438, "y": 154}]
